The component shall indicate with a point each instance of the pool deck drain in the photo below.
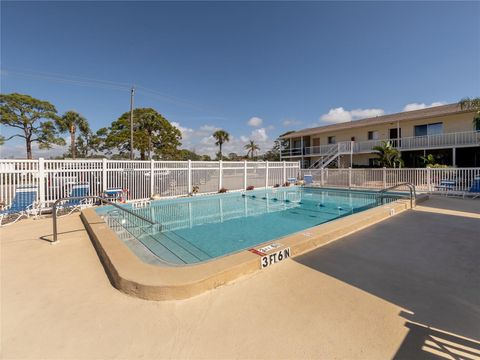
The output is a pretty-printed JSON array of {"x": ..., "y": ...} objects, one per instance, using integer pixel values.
[{"x": 133, "y": 276}]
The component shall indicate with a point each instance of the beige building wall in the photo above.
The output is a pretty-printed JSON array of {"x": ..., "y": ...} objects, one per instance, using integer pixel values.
[{"x": 451, "y": 124}]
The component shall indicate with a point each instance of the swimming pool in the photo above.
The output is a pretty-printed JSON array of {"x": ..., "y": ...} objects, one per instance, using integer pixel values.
[{"x": 198, "y": 229}]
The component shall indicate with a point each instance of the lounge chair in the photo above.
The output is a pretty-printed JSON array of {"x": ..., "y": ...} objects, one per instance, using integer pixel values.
[
  {"x": 77, "y": 191},
  {"x": 447, "y": 185},
  {"x": 474, "y": 190},
  {"x": 23, "y": 204},
  {"x": 115, "y": 194},
  {"x": 308, "y": 179}
]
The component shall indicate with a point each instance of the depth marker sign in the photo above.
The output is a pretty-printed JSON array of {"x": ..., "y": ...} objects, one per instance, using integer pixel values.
[{"x": 275, "y": 257}]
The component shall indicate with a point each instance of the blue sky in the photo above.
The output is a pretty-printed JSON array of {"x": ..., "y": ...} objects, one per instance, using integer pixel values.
[{"x": 208, "y": 65}]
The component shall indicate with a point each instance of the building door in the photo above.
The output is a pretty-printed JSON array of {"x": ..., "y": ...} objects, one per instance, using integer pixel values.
[{"x": 395, "y": 136}]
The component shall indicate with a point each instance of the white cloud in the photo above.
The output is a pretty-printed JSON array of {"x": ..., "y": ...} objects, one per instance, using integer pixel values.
[
  {"x": 418, "y": 106},
  {"x": 339, "y": 115},
  {"x": 255, "y": 121},
  {"x": 290, "y": 122},
  {"x": 186, "y": 132},
  {"x": 259, "y": 135}
]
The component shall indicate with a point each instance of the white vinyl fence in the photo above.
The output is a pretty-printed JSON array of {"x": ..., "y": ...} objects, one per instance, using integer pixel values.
[
  {"x": 424, "y": 179},
  {"x": 141, "y": 179}
]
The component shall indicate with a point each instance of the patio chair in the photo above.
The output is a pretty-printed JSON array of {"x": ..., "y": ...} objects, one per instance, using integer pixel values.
[
  {"x": 446, "y": 185},
  {"x": 77, "y": 191},
  {"x": 308, "y": 179},
  {"x": 115, "y": 194},
  {"x": 474, "y": 190},
  {"x": 23, "y": 204}
]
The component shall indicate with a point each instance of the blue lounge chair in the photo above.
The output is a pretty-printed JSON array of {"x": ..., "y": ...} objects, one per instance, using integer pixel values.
[
  {"x": 474, "y": 190},
  {"x": 77, "y": 191},
  {"x": 115, "y": 194},
  {"x": 23, "y": 204},
  {"x": 308, "y": 179}
]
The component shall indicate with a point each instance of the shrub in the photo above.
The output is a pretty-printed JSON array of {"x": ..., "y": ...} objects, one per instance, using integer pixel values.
[
  {"x": 276, "y": 185},
  {"x": 222, "y": 190},
  {"x": 251, "y": 187},
  {"x": 286, "y": 184}
]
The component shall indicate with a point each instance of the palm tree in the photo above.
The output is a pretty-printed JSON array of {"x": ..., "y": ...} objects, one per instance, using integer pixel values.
[
  {"x": 388, "y": 155},
  {"x": 70, "y": 122},
  {"x": 251, "y": 147},
  {"x": 472, "y": 104},
  {"x": 222, "y": 137}
]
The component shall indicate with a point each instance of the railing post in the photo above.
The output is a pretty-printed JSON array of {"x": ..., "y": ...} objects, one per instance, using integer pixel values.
[
  {"x": 245, "y": 170},
  {"x": 349, "y": 177},
  {"x": 104, "y": 174},
  {"x": 220, "y": 174},
  {"x": 266, "y": 174},
  {"x": 189, "y": 176},
  {"x": 284, "y": 172},
  {"x": 384, "y": 177},
  {"x": 41, "y": 182},
  {"x": 322, "y": 176},
  {"x": 152, "y": 177}
]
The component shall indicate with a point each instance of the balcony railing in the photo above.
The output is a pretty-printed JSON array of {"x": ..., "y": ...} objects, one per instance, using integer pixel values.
[{"x": 469, "y": 138}]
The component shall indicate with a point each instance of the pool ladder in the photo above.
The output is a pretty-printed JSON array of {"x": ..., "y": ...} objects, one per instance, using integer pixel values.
[{"x": 411, "y": 189}]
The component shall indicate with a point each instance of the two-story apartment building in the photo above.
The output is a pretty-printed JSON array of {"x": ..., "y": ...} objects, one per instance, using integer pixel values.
[{"x": 446, "y": 131}]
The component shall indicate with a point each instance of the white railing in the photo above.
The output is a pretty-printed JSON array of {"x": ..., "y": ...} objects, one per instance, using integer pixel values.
[
  {"x": 140, "y": 179},
  {"x": 468, "y": 138},
  {"x": 424, "y": 179}
]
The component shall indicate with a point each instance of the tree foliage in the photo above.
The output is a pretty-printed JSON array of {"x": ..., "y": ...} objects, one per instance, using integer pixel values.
[
  {"x": 388, "y": 156},
  {"x": 472, "y": 104},
  {"x": 185, "y": 154},
  {"x": 221, "y": 137},
  {"x": 152, "y": 133},
  {"x": 70, "y": 122},
  {"x": 33, "y": 119}
]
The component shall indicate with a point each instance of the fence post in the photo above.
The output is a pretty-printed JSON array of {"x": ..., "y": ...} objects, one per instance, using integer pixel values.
[
  {"x": 245, "y": 175},
  {"x": 190, "y": 189},
  {"x": 220, "y": 174},
  {"x": 152, "y": 177},
  {"x": 322, "y": 176},
  {"x": 429, "y": 181},
  {"x": 41, "y": 178},
  {"x": 104, "y": 174},
  {"x": 384, "y": 177},
  {"x": 349, "y": 177},
  {"x": 284, "y": 172},
  {"x": 266, "y": 174}
]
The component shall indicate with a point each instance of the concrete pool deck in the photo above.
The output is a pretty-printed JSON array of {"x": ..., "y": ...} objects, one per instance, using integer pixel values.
[{"x": 404, "y": 288}]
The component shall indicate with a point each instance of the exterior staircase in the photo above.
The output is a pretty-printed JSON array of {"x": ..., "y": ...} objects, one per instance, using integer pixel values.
[{"x": 333, "y": 155}]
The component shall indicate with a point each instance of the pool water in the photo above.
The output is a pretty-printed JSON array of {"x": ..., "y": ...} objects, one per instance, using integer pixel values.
[{"x": 196, "y": 229}]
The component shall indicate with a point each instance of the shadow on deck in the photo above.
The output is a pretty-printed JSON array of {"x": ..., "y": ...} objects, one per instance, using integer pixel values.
[{"x": 425, "y": 262}]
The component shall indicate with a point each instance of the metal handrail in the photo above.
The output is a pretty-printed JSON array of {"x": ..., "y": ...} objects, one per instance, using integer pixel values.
[
  {"x": 54, "y": 211},
  {"x": 411, "y": 188}
]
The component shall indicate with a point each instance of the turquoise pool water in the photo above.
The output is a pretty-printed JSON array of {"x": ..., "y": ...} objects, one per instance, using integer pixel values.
[{"x": 196, "y": 229}]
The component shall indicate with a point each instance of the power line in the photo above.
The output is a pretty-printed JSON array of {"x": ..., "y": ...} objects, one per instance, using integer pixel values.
[{"x": 102, "y": 84}]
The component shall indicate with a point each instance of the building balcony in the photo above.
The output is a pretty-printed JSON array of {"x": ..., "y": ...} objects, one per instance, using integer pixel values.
[{"x": 450, "y": 140}]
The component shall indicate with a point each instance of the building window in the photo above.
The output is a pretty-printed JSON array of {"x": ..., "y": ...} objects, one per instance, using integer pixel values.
[
  {"x": 373, "y": 135},
  {"x": 331, "y": 139},
  {"x": 429, "y": 129}
]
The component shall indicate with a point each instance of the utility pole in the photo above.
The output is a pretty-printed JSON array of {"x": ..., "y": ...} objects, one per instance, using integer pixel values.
[{"x": 131, "y": 122}]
